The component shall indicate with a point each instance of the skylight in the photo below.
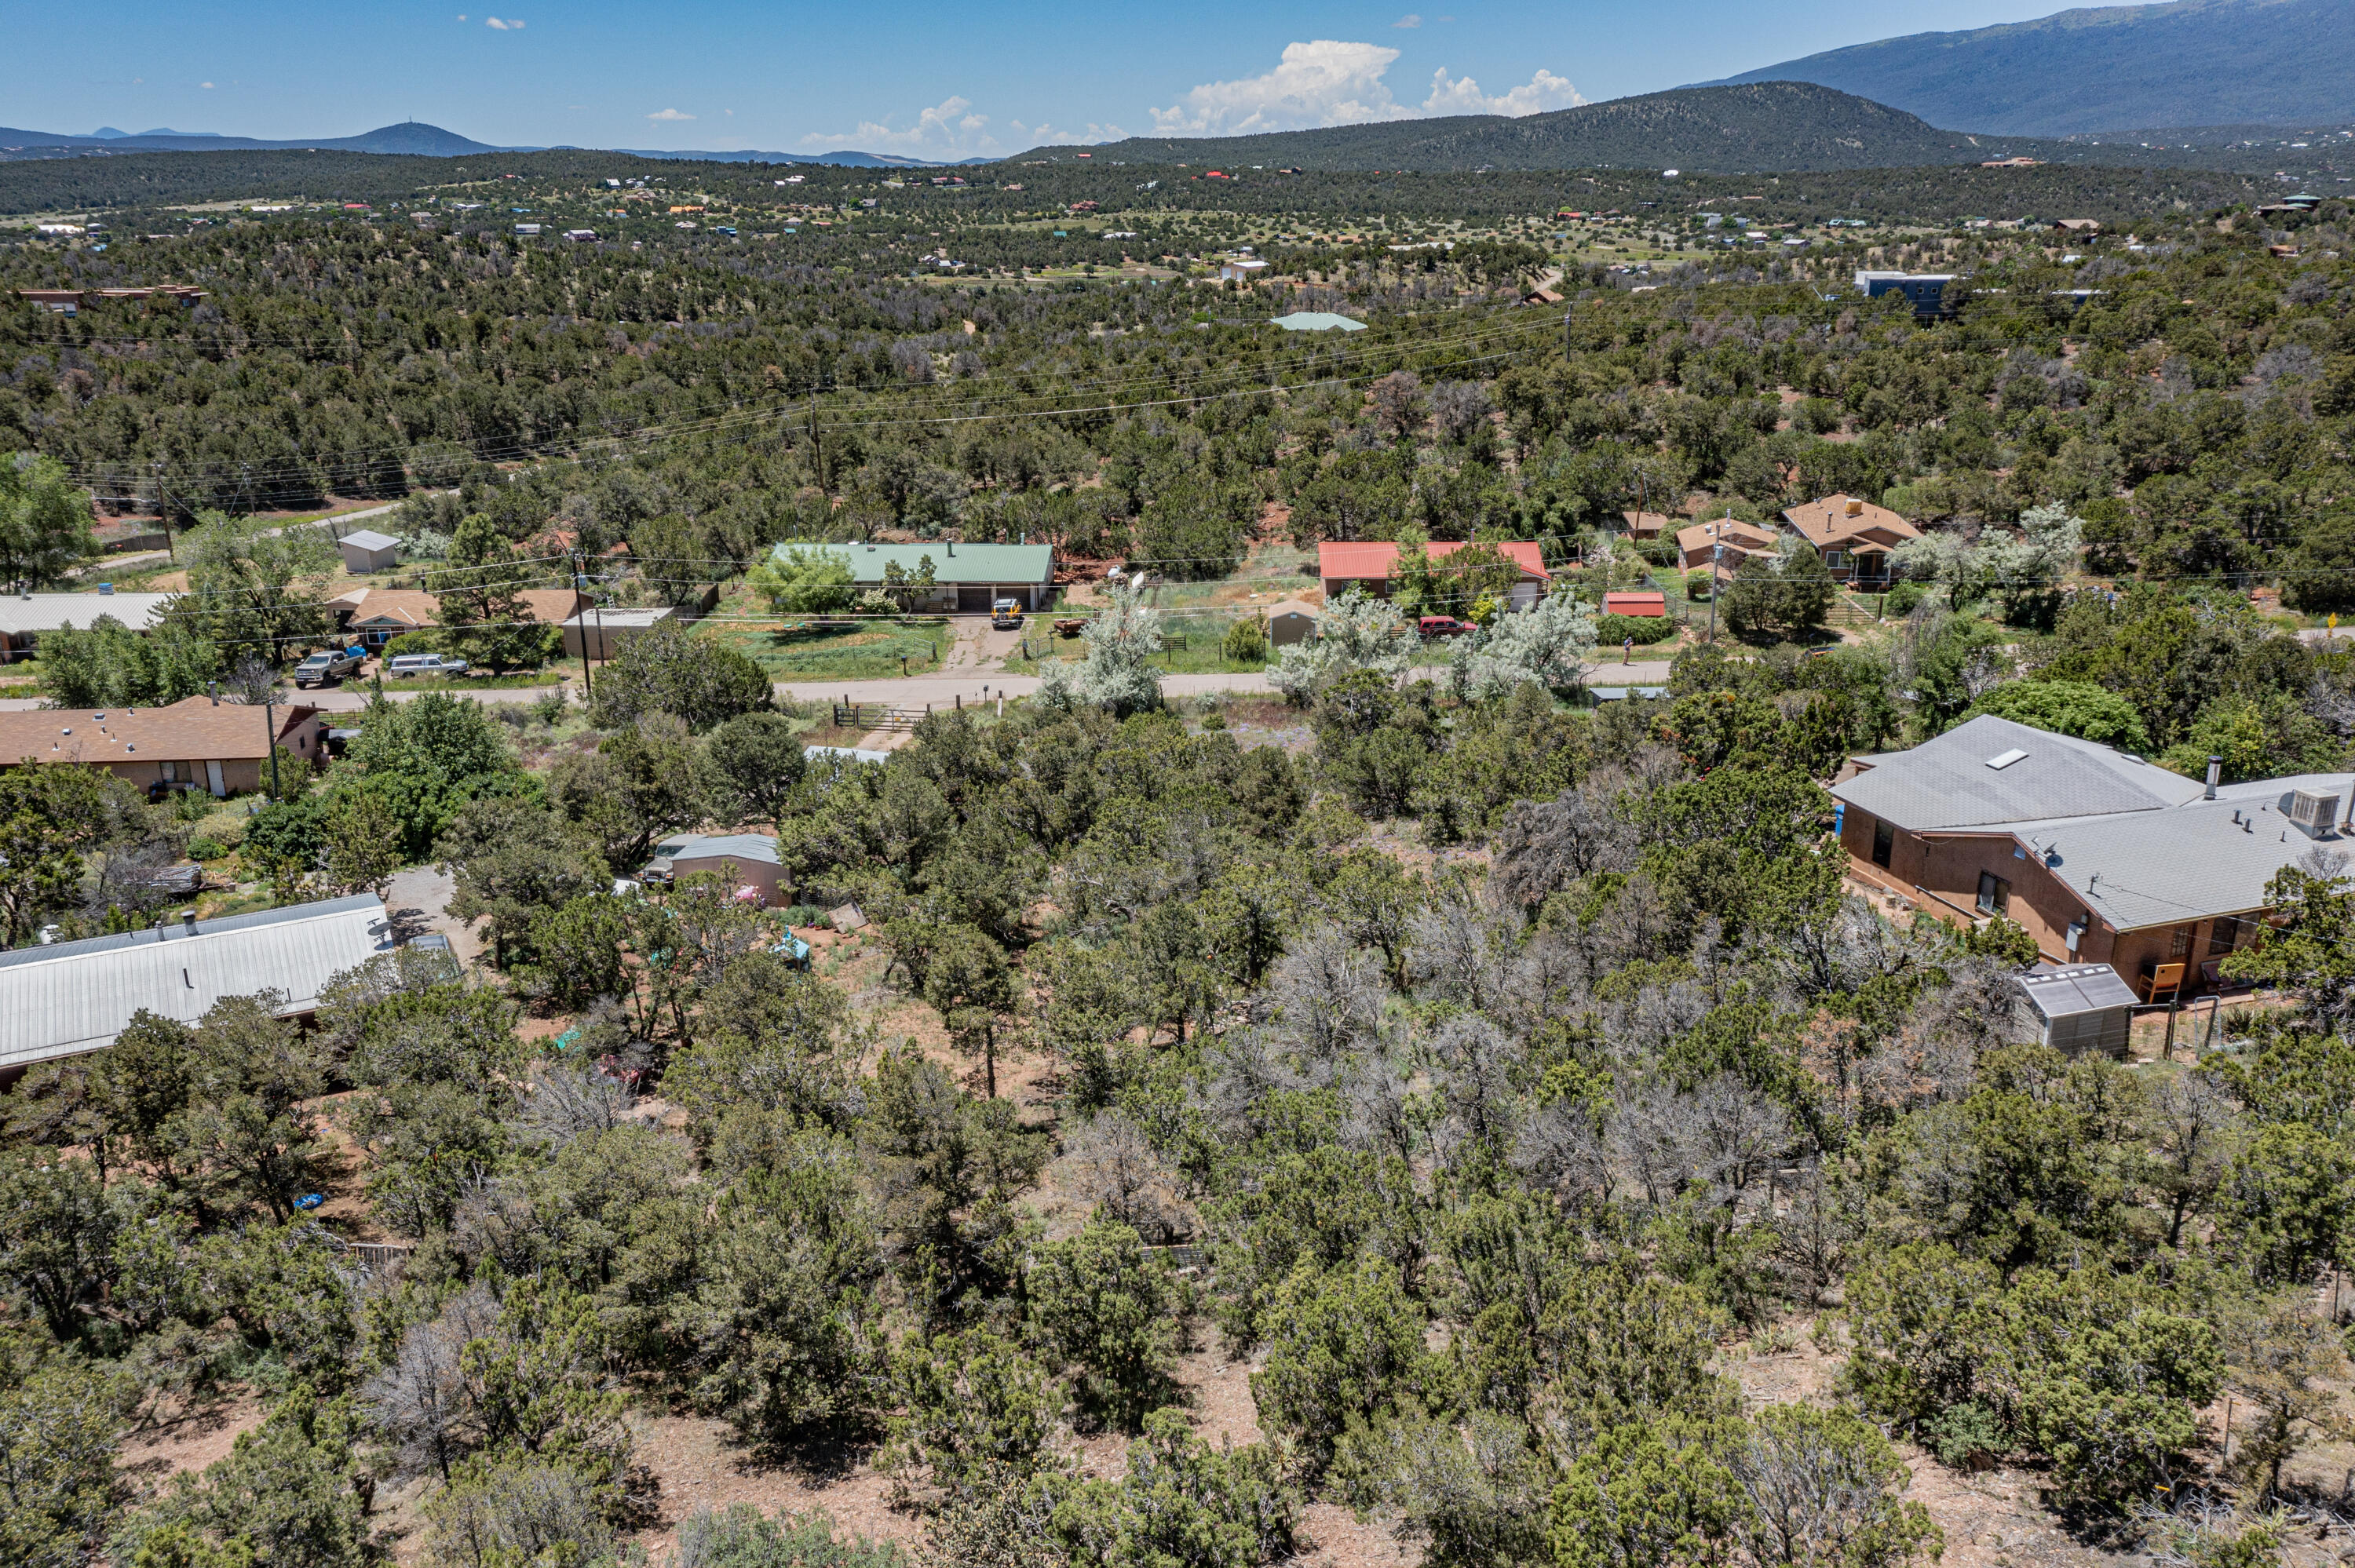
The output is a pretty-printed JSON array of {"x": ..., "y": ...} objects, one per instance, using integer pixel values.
[{"x": 2006, "y": 759}]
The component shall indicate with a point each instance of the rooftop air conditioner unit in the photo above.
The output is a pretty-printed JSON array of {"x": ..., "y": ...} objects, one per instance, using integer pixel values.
[{"x": 2314, "y": 811}]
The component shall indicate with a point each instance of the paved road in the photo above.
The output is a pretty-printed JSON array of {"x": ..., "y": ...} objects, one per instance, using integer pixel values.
[
  {"x": 345, "y": 699},
  {"x": 972, "y": 686},
  {"x": 940, "y": 690}
]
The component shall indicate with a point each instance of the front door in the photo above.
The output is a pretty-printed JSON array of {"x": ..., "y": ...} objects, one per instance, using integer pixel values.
[{"x": 213, "y": 779}]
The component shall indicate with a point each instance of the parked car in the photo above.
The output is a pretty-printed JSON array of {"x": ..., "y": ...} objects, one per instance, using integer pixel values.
[
  {"x": 1006, "y": 615},
  {"x": 1431, "y": 626},
  {"x": 329, "y": 665},
  {"x": 425, "y": 664}
]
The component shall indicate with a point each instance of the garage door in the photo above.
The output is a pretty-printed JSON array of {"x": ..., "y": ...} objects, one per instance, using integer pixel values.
[{"x": 972, "y": 600}]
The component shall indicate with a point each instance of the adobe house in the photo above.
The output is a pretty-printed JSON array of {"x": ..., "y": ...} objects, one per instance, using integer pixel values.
[
  {"x": 2101, "y": 856},
  {"x": 374, "y": 616},
  {"x": 1721, "y": 544},
  {"x": 1370, "y": 565},
  {"x": 197, "y": 742},
  {"x": 1855, "y": 537},
  {"x": 743, "y": 860}
]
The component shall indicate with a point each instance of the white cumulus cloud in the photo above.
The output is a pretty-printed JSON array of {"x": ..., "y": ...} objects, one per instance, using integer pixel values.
[
  {"x": 1462, "y": 95},
  {"x": 1408, "y": 20},
  {"x": 206, "y": 85},
  {"x": 1323, "y": 82},
  {"x": 668, "y": 114},
  {"x": 509, "y": 25},
  {"x": 1327, "y": 81},
  {"x": 1043, "y": 135},
  {"x": 948, "y": 127}
]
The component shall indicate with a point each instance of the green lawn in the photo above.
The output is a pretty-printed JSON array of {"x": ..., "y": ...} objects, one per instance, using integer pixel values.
[{"x": 873, "y": 651}]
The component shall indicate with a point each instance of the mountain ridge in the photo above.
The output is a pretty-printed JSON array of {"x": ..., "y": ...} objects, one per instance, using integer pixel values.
[
  {"x": 2094, "y": 70},
  {"x": 411, "y": 137},
  {"x": 1776, "y": 127}
]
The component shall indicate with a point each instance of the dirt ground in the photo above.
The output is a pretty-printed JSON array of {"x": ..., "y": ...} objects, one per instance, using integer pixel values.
[
  {"x": 1991, "y": 1520},
  {"x": 187, "y": 1440},
  {"x": 700, "y": 1466}
]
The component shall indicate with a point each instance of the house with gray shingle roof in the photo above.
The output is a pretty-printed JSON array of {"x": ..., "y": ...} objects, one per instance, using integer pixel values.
[{"x": 2100, "y": 855}]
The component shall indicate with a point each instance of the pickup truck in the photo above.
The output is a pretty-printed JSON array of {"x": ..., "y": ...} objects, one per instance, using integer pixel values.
[
  {"x": 330, "y": 665},
  {"x": 1005, "y": 614}
]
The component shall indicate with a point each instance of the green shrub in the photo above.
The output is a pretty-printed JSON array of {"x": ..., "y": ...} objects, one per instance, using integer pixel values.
[
  {"x": 1696, "y": 584},
  {"x": 1964, "y": 1435},
  {"x": 205, "y": 848},
  {"x": 1901, "y": 599},
  {"x": 1245, "y": 642},
  {"x": 1645, "y": 629}
]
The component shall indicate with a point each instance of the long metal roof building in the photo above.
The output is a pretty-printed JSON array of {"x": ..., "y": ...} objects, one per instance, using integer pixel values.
[{"x": 72, "y": 997}]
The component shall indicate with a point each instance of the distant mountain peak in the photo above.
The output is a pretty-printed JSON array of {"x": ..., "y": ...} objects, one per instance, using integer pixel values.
[{"x": 2180, "y": 62}]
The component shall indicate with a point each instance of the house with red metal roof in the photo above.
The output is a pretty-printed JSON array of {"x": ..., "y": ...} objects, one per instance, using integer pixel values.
[{"x": 1370, "y": 565}]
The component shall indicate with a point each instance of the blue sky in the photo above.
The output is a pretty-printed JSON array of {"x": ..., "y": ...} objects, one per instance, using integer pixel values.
[{"x": 920, "y": 77}]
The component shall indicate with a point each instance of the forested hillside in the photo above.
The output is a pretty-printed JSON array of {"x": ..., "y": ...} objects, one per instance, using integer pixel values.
[
  {"x": 2107, "y": 68},
  {"x": 1383, "y": 1103},
  {"x": 1760, "y": 124}
]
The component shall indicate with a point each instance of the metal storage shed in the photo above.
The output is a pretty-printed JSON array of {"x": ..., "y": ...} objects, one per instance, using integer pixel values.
[
  {"x": 368, "y": 551},
  {"x": 2081, "y": 1007}
]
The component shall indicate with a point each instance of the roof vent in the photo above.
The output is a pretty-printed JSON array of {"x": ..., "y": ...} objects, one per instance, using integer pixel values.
[{"x": 2006, "y": 759}]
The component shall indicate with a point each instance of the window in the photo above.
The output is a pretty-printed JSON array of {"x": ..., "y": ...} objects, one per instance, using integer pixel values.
[
  {"x": 1995, "y": 894},
  {"x": 1884, "y": 839},
  {"x": 2220, "y": 937},
  {"x": 2180, "y": 943}
]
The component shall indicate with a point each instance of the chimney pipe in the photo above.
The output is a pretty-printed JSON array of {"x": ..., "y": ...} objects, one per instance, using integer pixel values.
[
  {"x": 188, "y": 921},
  {"x": 2215, "y": 771},
  {"x": 214, "y": 687}
]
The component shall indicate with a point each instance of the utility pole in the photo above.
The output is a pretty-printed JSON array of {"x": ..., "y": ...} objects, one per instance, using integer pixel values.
[
  {"x": 270, "y": 738},
  {"x": 1716, "y": 565},
  {"x": 1568, "y": 316},
  {"x": 581, "y": 583}
]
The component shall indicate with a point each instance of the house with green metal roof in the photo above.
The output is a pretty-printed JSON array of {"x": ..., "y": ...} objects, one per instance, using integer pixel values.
[{"x": 965, "y": 579}]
